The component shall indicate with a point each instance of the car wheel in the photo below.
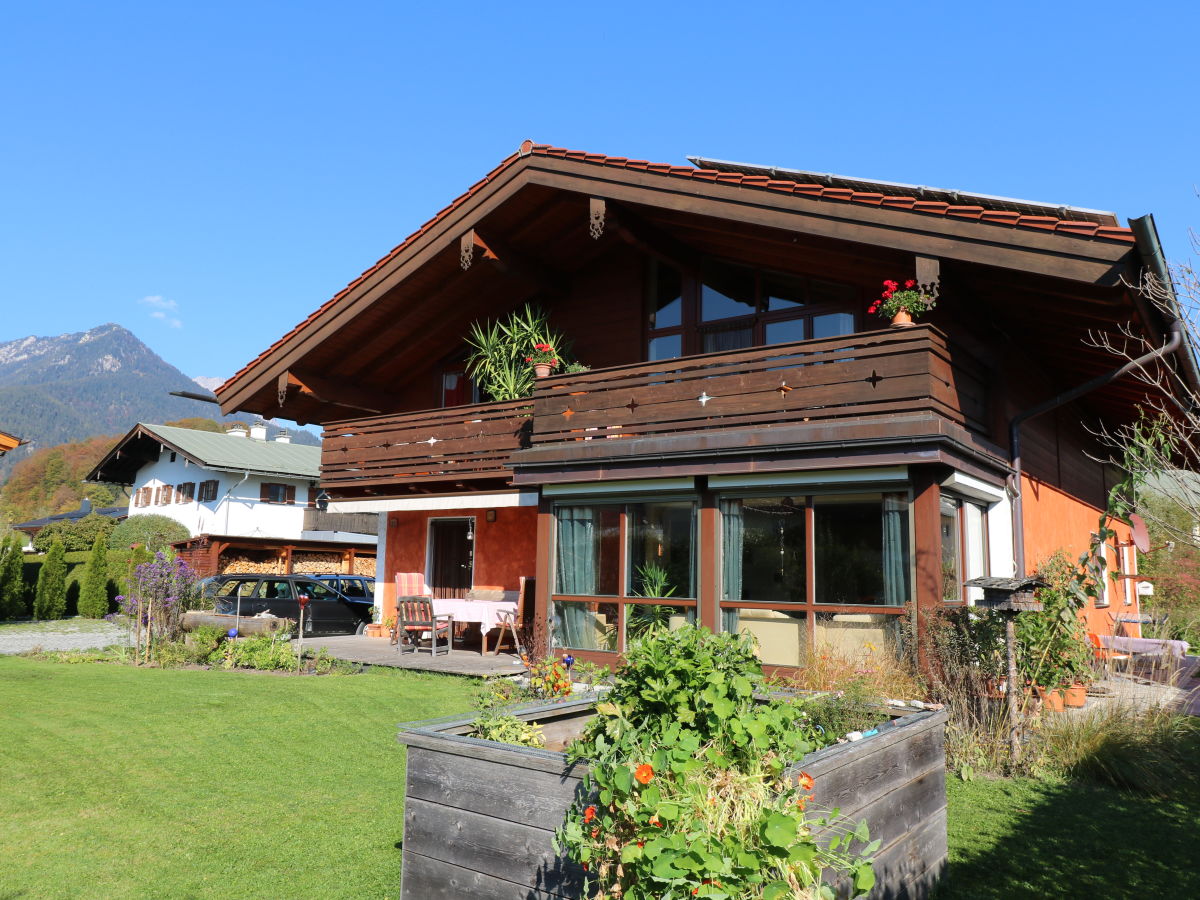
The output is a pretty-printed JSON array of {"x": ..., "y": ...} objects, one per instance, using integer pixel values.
[{"x": 361, "y": 629}]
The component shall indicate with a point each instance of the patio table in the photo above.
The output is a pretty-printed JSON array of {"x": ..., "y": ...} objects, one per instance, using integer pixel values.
[
  {"x": 1146, "y": 646},
  {"x": 486, "y": 612}
]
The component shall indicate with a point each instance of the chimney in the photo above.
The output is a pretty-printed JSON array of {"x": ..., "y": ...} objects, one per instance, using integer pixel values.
[
  {"x": 258, "y": 431},
  {"x": 282, "y": 437},
  {"x": 237, "y": 430}
]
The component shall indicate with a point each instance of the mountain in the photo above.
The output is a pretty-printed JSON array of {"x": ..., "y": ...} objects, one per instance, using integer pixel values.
[{"x": 55, "y": 390}]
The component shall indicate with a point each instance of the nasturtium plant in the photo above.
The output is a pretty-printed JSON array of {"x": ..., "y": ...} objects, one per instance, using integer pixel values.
[{"x": 688, "y": 793}]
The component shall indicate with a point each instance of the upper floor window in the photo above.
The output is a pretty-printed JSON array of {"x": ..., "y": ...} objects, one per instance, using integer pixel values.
[
  {"x": 185, "y": 492},
  {"x": 141, "y": 497},
  {"x": 727, "y": 307},
  {"x": 208, "y": 491},
  {"x": 457, "y": 388},
  {"x": 277, "y": 493},
  {"x": 162, "y": 494}
]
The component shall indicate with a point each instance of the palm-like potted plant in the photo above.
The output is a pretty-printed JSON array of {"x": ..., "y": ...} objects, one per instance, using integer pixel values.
[{"x": 504, "y": 353}]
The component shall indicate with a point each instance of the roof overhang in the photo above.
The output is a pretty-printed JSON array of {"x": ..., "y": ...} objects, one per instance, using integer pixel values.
[{"x": 281, "y": 380}]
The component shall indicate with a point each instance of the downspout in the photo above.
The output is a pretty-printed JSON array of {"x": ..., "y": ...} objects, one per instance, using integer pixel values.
[
  {"x": 1150, "y": 249},
  {"x": 227, "y": 499}
]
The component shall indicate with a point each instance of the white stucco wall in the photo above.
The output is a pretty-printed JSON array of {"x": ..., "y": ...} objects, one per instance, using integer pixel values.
[{"x": 237, "y": 509}]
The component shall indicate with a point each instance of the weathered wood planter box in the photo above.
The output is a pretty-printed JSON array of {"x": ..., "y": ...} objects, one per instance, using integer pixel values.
[{"x": 479, "y": 816}]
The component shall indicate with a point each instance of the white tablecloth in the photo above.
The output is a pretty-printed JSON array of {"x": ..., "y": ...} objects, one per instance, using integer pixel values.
[
  {"x": 1147, "y": 646},
  {"x": 485, "y": 612}
]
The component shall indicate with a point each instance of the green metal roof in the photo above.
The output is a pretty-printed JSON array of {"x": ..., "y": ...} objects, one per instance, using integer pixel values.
[{"x": 218, "y": 450}]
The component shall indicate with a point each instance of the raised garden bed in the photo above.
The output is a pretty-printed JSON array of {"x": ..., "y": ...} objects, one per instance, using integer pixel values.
[{"x": 479, "y": 816}]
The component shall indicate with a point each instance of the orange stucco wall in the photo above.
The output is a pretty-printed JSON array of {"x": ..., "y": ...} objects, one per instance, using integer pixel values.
[
  {"x": 505, "y": 549},
  {"x": 1057, "y": 521}
]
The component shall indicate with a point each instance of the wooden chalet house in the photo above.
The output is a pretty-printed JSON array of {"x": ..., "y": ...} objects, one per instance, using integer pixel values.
[{"x": 750, "y": 444}]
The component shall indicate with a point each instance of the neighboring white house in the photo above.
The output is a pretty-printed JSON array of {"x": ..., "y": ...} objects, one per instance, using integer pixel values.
[{"x": 232, "y": 483}]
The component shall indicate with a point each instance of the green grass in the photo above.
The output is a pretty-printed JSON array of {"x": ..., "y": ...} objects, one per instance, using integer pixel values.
[
  {"x": 1015, "y": 838},
  {"x": 121, "y": 782}
]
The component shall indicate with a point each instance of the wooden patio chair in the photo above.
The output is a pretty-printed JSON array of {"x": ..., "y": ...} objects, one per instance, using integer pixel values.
[
  {"x": 408, "y": 584},
  {"x": 514, "y": 624},
  {"x": 415, "y": 617}
]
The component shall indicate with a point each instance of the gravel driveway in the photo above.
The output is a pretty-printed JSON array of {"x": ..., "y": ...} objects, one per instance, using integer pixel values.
[{"x": 67, "y": 634}]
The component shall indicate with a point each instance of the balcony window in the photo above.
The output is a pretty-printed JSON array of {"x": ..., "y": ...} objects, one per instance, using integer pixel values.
[{"x": 721, "y": 307}]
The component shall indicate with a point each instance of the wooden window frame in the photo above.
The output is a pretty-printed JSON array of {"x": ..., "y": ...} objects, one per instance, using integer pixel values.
[
  {"x": 185, "y": 492},
  {"x": 207, "y": 491},
  {"x": 267, "y": 488},
  {"x": 692, "y": 327},
  {"x": 623, "y": 599}
]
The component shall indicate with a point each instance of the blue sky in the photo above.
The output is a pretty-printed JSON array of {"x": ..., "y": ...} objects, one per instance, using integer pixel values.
[{"x": 207, "y": 175}]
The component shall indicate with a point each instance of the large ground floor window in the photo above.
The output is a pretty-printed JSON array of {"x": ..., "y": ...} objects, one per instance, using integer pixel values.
[
  {"x": 797, "y": 572},
  {"x": 620, "y": 570},
  {"x": 802, "y": 572}
]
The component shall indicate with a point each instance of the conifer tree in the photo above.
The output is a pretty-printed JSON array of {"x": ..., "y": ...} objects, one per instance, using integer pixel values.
[
  {"x": 50, "y": 601},
  {"x": 12, "y": 586},
  {"x": 93, "y": 591}
]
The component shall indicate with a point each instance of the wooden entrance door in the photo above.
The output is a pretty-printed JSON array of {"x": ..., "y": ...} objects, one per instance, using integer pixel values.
[{"x": 452, "y": 557}]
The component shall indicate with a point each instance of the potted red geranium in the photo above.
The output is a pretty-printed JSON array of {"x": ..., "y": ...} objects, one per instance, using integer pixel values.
[
  {"x": 903, "y": 304},
  {"x": 543, "y": 359}
]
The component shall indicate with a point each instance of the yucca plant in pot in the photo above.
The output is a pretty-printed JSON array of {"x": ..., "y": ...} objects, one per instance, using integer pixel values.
[{"x": 503, "y": 352}]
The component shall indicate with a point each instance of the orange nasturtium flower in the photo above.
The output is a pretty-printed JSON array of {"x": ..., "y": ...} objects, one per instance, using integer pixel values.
[
  {"x": 589, "y": 814},
  {"x": 644, "y": 773},
  {"x": 805, "y": 781}
]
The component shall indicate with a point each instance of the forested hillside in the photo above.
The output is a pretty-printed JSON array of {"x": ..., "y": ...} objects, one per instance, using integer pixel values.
[{"x": 72, "y": 387}]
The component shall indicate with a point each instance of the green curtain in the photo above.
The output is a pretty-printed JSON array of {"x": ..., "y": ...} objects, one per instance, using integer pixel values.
[
  {"x": 732, "y": 529},
  {"x": 575, "y": 556},
  {"x": 895, "y": 551}
]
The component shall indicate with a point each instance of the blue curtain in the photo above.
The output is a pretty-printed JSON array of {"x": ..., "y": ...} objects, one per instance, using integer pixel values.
[
  {"x": 895, "y": 551},
  {"x": 575, "y": 557},
  {"x": 732, "y": 529}
]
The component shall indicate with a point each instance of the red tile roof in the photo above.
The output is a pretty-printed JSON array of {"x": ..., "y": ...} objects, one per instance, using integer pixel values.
[{"x": 757, "y": 182}]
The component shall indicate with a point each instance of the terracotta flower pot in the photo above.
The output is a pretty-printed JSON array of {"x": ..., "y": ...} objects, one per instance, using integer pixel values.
[
  {"x": 541, "y": 370},
  {"x": 1051, "y": 700},
  {"x": 902, "y": 319},
  {"x": 375, "y": 629},
  {"x": 1075, "y": 696}
]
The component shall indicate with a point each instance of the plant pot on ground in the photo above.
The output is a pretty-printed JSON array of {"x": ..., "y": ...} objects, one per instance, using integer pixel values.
[{"x": 1075, "y": 696}]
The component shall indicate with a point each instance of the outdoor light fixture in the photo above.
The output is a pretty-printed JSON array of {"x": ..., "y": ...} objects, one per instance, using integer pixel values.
[
  {"x": 322, "y": 501},
  {"x": 490, "y": 515}
]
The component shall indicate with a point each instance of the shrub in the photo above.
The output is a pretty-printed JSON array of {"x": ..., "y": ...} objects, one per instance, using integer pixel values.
[
  {"x": 93, "y": 591},
  {"x": 75, "y": 535},
  {"x": 12, "y": 583},
  {"x": 154, "y": 532},
  {"x": 205, "y": 639},
  {"x": 856, "y": 707},
  {"x": 257, "y": 651},
  {"x": 50, "y": 601}
]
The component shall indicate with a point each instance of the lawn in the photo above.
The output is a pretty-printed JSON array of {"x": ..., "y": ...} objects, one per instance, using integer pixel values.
[
  {"x": 122, "y": 782},
  {"x": 1024, "y": 838}
]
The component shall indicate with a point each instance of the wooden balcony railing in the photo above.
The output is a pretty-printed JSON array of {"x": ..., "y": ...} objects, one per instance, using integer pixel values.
[
  {"x": 871, "y": 376},
  {"x": 901, "y": 370},
  {"x": 387, "y": 454}
]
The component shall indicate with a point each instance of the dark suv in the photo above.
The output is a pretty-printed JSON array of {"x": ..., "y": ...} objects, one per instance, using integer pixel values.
[{"x": 328, "y": 612}]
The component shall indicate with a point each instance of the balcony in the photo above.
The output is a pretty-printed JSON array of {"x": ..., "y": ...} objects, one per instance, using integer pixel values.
[
  {"x": 438, "y": 449},
  {"x": 856, "y": 387}
]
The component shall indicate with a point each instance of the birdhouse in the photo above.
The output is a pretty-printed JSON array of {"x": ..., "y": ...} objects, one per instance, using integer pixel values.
[{"x": 1008, "y": 594}]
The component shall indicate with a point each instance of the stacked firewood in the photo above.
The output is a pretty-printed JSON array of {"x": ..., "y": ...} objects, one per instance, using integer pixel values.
[
  {"x": 246, "y": 565},
  {"x": 364, "y": 565},
  {"x": 318, "y": 563}
]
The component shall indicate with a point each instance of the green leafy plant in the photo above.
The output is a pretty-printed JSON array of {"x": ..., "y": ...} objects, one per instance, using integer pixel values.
[
  {"x": 500, "y": 352},
  {"x": 1052, "y": 647},
  {"x": 688, "y": 787},
  {"x": 855, "y": 707}
]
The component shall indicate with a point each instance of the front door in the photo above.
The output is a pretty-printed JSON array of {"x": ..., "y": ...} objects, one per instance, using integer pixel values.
[{"x": 451, "y": 557}]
